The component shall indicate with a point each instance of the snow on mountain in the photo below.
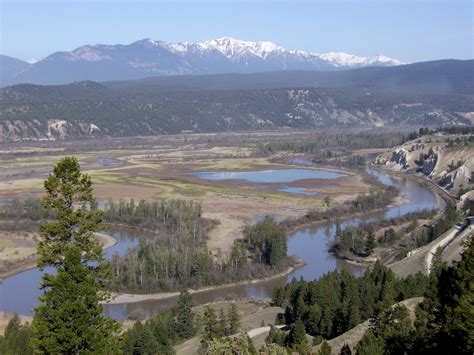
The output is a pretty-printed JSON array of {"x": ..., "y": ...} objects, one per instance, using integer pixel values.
[
  {"x": 344, "y": 60},
  {"x": 233, "y": 49},
  {"x": 150, "y": 57}
]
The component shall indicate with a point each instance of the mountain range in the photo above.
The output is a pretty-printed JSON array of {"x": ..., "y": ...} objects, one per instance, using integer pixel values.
[
  {"x": 149, "y": 57},
  {"x": 420, "y": 94}
]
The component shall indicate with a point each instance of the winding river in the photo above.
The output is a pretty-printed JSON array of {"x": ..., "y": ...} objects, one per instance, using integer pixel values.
[{"x": 19, "y": 292}]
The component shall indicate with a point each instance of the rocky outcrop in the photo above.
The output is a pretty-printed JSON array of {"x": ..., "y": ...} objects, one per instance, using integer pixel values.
[
  {"x": 450, "y": 166},
  {"x": 50, "y": 130}
]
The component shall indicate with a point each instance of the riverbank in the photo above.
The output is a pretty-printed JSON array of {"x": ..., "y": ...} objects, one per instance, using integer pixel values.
[
  {"x": 106, "y": 240},
  {"x": 121, "y": 298},
  {"x": 398, "y": 201}
]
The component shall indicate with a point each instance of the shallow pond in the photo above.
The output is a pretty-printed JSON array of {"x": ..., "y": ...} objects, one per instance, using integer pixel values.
[
  {"x": 276, "y": 176},
  {"x": 269, "y": 176}
]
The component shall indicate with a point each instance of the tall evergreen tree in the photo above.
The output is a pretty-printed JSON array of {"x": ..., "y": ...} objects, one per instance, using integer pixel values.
[
  {"x": 370, "y": 244},
  {"x": 140, "y": 340},
  {"x": 233, "y": 319},
  {"x": 222, "y": 327},
  {"x": 369, "y": 345},
  {"x": 211, "y": 326},
  {"x": 297, "y": 335},
  {"x": 16, "y": 338},
  {"x": 445, "y": 318},
  {"x": 69, "y": 317},
  {"x": 185, "y": 326}
]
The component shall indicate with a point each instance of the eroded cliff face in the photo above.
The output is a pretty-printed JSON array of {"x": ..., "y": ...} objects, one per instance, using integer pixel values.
[
  {"x": 451, "y": 167},
  {"x": 15, "y": 130}
]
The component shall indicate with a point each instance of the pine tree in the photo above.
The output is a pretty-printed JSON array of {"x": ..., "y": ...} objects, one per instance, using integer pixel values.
[
  {"x": 370, "y": 244},
  {"x": 369, "y": 345},
  {"x": 140, "y": 340},
  {"x": 185, "y": 326},
  {"x": 300, "y": 307},
  {"x": 222, "y": 326},
  {"x": 313, "y": 318},
  {"x": 325, "y": 349},
  {"x": 211, "y": 327},
  {"x": 233, "y": 319},
  {"x": 69, "y": 317},
  {"x": 163, "y": 327},
  {"x": 297, "y": 335},
  {"x": 241, "y": 344},
  {"x": 16, "y": 338},
  {"x": 69, "y": 196},
  {"x": 276, "y": 336}
]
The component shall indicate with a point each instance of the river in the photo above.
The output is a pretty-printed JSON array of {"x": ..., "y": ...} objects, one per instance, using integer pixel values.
[{"x": 19, "y": 292}]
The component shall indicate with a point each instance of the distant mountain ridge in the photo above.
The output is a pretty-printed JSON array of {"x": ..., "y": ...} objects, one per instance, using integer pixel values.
[
  {"x": 421, "y": 94},
  {"x": 442, "y": 77},
  {"x": 149, "y": 57}
]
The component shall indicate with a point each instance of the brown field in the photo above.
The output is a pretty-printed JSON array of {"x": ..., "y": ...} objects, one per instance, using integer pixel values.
[
  {"x": 17, "y": 251},
  {"x": 158, "y": 167}
]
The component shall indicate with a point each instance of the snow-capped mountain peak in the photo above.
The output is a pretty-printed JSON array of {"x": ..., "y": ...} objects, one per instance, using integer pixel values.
[
  {"x": 231, "y": 47},
  {"x": 344, "y": 60},
  {"x": 236, "y": 50},
  {"x": 149, "y": 57}
]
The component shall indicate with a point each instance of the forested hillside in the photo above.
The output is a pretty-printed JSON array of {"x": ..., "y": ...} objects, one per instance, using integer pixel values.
[
  {"x": 90, "y": 109},
  {"x": 431, "y": 93}
]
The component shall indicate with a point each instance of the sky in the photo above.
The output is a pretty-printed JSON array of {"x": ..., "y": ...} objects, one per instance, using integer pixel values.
[{"x": 407, "y": 30}]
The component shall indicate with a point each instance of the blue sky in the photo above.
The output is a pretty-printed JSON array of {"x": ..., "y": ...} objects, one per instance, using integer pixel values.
[{"x": 408, "y": 30}]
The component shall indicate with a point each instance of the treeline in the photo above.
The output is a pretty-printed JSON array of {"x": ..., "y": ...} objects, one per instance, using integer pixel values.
[
  {"x": 22, "y": 215},
  {"x": 444, "y": 320},
  {"x": 175, "y": 254},
  {"x": 328, "y": 144},
  {"x": 162, "y": 214},
  {"x": 266, "y": 240},
  {"x": 361, "y": 240},
  {"x": 157, "y": 335},
  {"x": 427, "y": 235},
  {"x": 339, "y": 301},
  {"x": 363, "y": 203},
  {"x": 426, "y": 131}
]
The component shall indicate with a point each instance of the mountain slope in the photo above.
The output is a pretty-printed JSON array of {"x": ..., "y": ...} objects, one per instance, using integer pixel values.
[
  {"x": 422, "y": 94},
  {"x": 435, "y": 77},
  {"x": 10, "y": 68},
  {"x": 157, "y": 58}
]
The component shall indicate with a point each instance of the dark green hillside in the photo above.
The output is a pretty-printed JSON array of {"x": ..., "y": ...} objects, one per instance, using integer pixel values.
[{"x": 422, "y": 94}]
